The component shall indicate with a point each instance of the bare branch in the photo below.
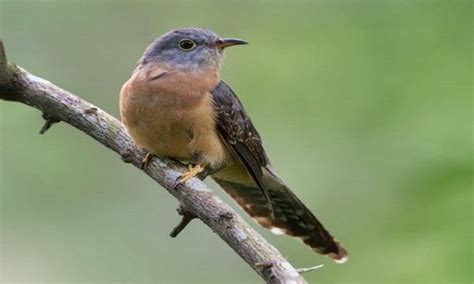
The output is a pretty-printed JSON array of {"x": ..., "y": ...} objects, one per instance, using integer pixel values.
[
  {"x": 309, "y": 269},
  {"x": 187, "y": 217},
  {"x": 49, "y": 120},
  {"x": 196, "y": 199}
]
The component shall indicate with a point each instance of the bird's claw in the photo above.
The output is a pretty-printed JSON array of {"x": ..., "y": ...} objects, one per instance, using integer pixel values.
[
  {"x": 146, "y": 160},
  {"x": 193, "y": 171}
]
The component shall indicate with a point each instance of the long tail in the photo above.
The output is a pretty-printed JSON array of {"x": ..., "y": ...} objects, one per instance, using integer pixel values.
[{"x": 290, "y": 215}]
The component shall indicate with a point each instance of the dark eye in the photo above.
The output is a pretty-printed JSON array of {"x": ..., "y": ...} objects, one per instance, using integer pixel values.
[{"x": 187, "y": 44}]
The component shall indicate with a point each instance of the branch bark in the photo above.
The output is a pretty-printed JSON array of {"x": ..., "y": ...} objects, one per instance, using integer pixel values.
[{"x": 195, "y": 199}]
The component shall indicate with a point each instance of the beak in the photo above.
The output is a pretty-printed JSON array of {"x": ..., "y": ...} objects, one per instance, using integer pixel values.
[{"x": 226, "y": 42}]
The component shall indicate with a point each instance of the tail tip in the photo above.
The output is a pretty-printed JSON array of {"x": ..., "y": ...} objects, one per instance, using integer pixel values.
[{"x": 339, "y": 257}]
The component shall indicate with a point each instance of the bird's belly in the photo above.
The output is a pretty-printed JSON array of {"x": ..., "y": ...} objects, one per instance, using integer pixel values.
[
  {"x": 187, "y": 134},
  {"x": 162, "y": 137}
]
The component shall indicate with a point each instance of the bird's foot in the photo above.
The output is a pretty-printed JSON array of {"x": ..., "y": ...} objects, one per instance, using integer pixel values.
[
  {"x": 146, "y": 160},
  {"x": 193, "y": 171}
]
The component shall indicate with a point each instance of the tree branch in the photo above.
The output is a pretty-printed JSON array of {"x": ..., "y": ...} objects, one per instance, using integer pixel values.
[{"x": 196, "y": 200}]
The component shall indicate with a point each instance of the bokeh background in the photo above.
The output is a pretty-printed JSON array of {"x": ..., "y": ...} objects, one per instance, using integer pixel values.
[{"x": 365, "y": 108}]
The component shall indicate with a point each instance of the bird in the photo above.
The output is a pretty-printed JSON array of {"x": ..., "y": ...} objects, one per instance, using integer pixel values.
[{"x": 175, "y": 105}]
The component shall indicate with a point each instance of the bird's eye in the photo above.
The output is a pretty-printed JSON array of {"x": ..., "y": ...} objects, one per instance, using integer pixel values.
[{"x": 187, "y": 44}]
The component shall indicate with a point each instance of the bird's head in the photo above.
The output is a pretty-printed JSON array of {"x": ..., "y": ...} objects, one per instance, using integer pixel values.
[{"x": 188, "y": 49}]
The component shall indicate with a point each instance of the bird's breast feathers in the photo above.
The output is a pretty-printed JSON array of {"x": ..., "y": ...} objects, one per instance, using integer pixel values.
[{"x": 171, "y": 113}]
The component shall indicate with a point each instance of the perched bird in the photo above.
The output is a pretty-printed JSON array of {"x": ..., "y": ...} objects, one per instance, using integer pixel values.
[{"x": 175, "y": 105}]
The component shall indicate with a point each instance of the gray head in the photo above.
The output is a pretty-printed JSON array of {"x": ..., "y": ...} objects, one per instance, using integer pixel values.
[{"x": 188, "y": 49}]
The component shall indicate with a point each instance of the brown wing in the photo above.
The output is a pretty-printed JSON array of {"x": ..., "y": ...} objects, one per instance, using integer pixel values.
[
  {"x": 240, "y": 136},
  {"x": 256, "y": 187}
]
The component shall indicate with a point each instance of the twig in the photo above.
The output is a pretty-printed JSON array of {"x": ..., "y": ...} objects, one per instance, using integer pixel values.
[
  {"x": 187, "y": 217},
  {"x": 308, "y": 269},
  {"x": 49, "y": 120},
  {"x": 16, "y": 84}
]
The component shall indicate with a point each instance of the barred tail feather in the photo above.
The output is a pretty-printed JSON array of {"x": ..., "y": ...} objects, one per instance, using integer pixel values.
[{"x": 291, "y": 216}]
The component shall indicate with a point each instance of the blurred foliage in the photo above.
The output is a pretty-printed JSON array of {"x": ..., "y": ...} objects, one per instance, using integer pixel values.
[{"x": 365, "y": 108}]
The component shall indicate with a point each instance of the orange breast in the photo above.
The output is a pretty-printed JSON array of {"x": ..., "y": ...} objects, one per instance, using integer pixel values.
[{"x": 173, "y": 115}]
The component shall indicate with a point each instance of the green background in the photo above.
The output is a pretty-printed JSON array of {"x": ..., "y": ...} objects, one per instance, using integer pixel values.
[{"x": 365, "y": 108}]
